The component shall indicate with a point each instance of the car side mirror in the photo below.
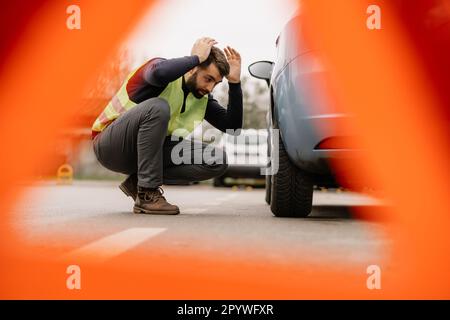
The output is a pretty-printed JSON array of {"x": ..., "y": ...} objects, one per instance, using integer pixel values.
[{"x": 261, "y": 70}]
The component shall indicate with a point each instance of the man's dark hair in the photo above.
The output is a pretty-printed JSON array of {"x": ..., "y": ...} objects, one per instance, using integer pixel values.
[{"x": 217, "y": 57}]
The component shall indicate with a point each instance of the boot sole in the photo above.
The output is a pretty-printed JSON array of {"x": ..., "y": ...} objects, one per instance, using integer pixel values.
[
  {"x": 143, "y": 211},
  {"x": 127, "y": 192}
]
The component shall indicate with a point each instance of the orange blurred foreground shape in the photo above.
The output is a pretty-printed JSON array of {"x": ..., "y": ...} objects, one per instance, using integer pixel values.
[
  {"x": 381, "y": 80},
  {"x": 383, "y": 77}
]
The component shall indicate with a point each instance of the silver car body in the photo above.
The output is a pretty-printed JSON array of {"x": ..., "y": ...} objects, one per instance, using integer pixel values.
[{"x": 299, "y": 108}]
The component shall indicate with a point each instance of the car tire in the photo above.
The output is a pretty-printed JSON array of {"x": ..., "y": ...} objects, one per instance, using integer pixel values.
[{"x": 291, "y": 191}]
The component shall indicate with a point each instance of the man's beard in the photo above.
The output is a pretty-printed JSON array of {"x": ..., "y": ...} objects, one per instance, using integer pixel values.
[{"x": 191, "y": 84}]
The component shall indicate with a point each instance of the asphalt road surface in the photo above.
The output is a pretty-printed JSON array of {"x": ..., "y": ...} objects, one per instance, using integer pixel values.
[{"x": 94, "y": 219}]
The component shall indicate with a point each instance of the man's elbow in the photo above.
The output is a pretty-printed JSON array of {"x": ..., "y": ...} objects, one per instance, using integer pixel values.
[{"x": 159, "y": 74}]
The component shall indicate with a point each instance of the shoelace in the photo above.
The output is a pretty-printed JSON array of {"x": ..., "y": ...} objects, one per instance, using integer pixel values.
[
  {"x": 161, "y": 192},
  {"x": 154, "y": 195}
]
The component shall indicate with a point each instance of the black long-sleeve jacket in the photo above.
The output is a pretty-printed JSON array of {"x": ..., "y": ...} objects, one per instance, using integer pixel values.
[{"x": 153, "y": 77}]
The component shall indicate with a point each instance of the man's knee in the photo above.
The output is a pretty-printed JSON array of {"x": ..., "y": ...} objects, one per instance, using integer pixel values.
[{"x": 157, "y": 108}]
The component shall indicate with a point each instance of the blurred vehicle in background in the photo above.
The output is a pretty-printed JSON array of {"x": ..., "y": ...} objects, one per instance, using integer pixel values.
[
  {"x": 310, "y": 136},
  {"x": 246, "y": 155}
]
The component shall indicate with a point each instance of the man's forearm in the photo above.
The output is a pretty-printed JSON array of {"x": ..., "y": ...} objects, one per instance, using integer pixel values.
[
  {"x": 165, "y": 71},
  {"x": 235, "y": 106},
  {"x": 230, "y": 118}
]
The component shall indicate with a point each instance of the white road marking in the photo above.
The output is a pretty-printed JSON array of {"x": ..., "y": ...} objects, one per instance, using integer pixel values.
[{"x": 108, "y": 247}]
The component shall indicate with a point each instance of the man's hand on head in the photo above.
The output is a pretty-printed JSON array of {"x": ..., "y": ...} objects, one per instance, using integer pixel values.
[
  {"x": 202, "y": 48},
  {"x": 234, "y": 60}
]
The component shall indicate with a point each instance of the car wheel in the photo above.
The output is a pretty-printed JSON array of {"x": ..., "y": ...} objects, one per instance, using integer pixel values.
[{"x": 291, "y": 188}]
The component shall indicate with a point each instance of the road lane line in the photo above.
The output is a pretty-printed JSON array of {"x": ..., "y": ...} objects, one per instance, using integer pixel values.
[{"x": 108, "y": 247}]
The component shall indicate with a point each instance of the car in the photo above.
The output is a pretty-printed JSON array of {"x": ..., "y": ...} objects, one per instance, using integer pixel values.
[
  {"x": 246, "y": 155},
  {"x": 308, "y": 132}
]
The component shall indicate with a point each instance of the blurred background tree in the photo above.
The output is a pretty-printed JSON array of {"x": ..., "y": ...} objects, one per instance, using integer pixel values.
[
  {"x": 74, "y": 145},
  {"x": 111, "y": 76}
]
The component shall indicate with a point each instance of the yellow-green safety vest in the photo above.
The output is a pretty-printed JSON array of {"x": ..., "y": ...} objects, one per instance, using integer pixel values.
[{"x": 193, "y": 115}]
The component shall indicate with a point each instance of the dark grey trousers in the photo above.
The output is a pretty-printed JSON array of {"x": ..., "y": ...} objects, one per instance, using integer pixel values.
[{"x": 136, "y": 143}]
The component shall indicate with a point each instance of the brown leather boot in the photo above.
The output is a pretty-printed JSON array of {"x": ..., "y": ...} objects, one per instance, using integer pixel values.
[
  {"x": 153, "y": 202},
  {"x": 129, "y": 186}
]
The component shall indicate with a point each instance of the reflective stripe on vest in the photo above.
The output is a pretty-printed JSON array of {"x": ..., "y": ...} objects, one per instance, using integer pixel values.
[{"x": 180, "y": 124}]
